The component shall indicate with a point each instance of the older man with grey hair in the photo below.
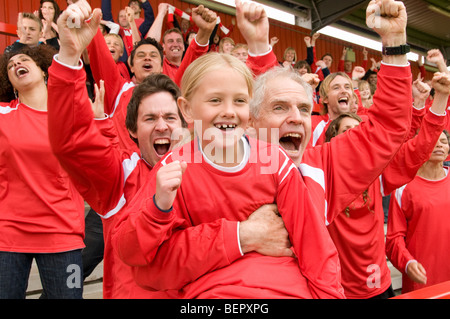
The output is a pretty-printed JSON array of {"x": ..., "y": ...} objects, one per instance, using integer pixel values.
[{"x": 337, "y": 172}]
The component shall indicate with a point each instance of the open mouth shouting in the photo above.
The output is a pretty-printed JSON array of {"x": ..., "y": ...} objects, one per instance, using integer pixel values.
[
  {"x": 147, "y": 67},
  {"x": 161, "y": 146},
  {"x": 21, "y": 71},
  {"x": 291, "y": 142},
  {"x": 343, "y": 101}
]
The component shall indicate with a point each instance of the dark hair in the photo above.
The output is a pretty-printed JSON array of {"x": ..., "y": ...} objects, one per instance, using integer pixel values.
[
  {"x": 187, "y": 37},
  {"x": 154, "y": 83},
  {"x": 302, "y": 63},
  {"x": 327, "y": 54},
  {"x": 147, "y": 41},
  {"x": 42, "y": 55},
  {"x": 55, "y": 5},
  {"x": 368, "y": 74},
  {"x": 138, "y": 2},
  {"x": 334, "y": 126},
  {"x": 447, "y": 134}
]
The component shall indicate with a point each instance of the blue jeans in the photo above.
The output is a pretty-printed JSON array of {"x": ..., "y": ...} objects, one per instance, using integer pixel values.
[{"x": 61, "y": 274}]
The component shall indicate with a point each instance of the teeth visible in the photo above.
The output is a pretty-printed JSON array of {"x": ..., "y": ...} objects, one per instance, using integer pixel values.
[
  {"x": 225, "y": 126},
  {"x": 162, "y": 141},
  {"x": 296, "y": 135},
  {"x": 21, "y": 71}
]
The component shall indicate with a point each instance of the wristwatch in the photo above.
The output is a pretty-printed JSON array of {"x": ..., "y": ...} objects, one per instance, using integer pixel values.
[{"x": 400, "y": 50}]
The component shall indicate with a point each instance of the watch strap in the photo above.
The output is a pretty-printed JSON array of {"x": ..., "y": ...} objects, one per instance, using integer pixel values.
[{"x": 398, "y": 50}]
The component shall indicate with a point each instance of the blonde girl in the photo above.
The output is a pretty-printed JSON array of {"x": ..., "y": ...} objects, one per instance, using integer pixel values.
[{"x": 209, "y": 187}]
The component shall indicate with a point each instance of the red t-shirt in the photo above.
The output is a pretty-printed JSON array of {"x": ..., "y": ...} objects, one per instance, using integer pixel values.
[{"x": 40, "y": 209}]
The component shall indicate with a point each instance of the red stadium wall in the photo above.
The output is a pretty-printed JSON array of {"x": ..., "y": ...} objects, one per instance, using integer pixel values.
[{"x": 289, "y": 36}]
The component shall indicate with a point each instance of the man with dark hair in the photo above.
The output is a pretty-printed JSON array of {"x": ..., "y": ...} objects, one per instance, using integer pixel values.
[
  {"x": 107, "y": 176},
  {"x": 145, "y": 59}
]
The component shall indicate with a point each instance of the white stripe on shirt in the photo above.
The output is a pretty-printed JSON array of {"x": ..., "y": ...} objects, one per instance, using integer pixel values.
[
  {"x": 399, "y": 194},
  {"x": 128, "y": 166},
  {"x": 124, "y": 88},
  {"x": 318, "y": 131}
]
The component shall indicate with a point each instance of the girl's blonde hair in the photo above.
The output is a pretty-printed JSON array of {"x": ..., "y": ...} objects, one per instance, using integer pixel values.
[
  {"x": 210, "y": 62},
  {"x": 362, "y": 83}
]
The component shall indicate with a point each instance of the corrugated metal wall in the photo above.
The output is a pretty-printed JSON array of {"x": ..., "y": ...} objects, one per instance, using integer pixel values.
[{"x": 289, "y": 36}]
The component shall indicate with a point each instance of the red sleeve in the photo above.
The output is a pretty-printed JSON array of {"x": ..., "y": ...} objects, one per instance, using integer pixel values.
[
  {"x": 413, "y": 154},
  {"x": 123, "y": 71},
  {"x": 358, "y": 94},
  {"x": 193, "y": 52},
  {"x": 317, "y": 256},
  {"x": 137, "y": 236},
  {"x": 260, "y": 64},
  {"x": 143, "y": 227},
  {"x": 190, "y": 253},
  {"x": 416, "y": 121},
  {"x": 341, "y": 66},
  {"x": 104, "y": 68},
  {"x": 370, "y": 146},
  {"x": 314, "y": 55},
  {"x": 397, "y": 227},
  {"x": 183, "y": 249},
  {"x": 89, "y": 158},
  {"x": 127, "y": 39},
  {"x": 364, "y": 64},
  {"x": 107, "y": 129}
]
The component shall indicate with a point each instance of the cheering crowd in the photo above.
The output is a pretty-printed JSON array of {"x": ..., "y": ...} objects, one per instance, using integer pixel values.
[{"x": 209, "y": 165}]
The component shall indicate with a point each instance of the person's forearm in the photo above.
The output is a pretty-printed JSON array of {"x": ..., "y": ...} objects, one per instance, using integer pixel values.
[
  {"x": 203, "y": 36},
  {"x": 259, "y": 47},
  {"x": 135, "y": 33},
  {"x": 156, "y": 28},
  {"x": 394, "y": 40},
  {"x": 439, "y": 103}
]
